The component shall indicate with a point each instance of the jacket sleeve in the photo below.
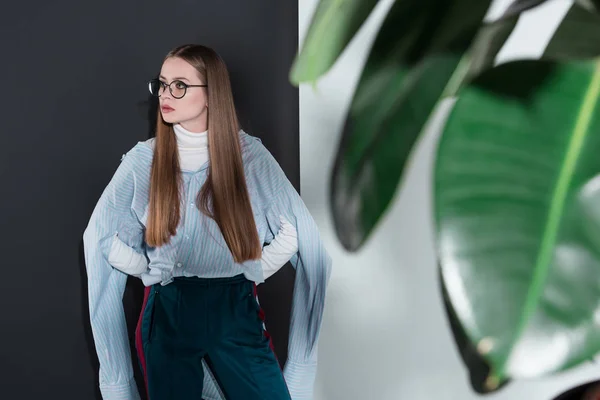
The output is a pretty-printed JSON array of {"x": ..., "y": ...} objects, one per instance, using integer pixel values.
[
  {"x": 313, "y": 269},
  {"x": 112, "y": 215}
]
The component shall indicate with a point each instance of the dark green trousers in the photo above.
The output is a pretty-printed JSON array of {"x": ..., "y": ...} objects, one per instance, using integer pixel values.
[{"x": 218, "y": 320}]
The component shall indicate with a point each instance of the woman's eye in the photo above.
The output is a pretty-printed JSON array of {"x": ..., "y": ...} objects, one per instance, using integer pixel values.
[{"x": 180, "y": 85}]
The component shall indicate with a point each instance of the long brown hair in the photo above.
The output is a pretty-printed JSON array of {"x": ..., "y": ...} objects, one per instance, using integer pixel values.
[{"x": 224, "y": 196}]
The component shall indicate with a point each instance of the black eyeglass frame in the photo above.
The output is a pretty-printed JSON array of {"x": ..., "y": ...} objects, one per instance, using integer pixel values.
[{"x": 164, "y": 85}]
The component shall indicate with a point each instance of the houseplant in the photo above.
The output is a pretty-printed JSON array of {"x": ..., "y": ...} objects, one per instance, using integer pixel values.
[{"x": 514, "y": 185}]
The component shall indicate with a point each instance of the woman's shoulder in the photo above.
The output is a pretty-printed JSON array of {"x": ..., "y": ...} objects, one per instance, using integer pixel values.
[
  {"x": 142, "y": 150},
  {"x": 139, "y": 155},
  {"x": 146, "y": 144},
  {"x": 248, "y": 141},
  {"x": 253, "y": 150},
  {"x": 258, "y": 160}
]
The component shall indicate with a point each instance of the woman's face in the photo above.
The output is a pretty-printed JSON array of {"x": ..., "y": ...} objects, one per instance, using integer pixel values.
[{"x": 191, "y": 110}]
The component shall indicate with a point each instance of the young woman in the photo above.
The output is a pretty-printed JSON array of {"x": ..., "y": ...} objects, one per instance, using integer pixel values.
[{"x": 189, "y": 212}]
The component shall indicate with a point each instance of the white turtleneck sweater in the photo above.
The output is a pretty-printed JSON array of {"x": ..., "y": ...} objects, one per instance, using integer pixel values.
[{"x": 193, "y": 153}]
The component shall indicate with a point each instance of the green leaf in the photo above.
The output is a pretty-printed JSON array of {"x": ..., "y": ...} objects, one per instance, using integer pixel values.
[
  {"x": 477, "y": 366},
  {"x": 333, "y": 25},
  {"x": 576, "y": 37},
  {"x": 488, "y": 42},
  {"x": 517, "y": 202},
  {"x": 413, "y": 61},
  {"x": 591, "y": 5},
  {"x": 570, "y": 41},
  {"x": 519, "y": 6},
  {"x": 492, "y": 36}
]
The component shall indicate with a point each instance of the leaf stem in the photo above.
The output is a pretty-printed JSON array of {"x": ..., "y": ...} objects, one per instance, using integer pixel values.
[{"x": 457, "y": 76}]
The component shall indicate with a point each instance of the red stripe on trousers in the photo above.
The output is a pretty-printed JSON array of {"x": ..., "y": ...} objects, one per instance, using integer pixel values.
[
  {"x": 261, "y": 315},
  {"x": 139, "y": 341}
]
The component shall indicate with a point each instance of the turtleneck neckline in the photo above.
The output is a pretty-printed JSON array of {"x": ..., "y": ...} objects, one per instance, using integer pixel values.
[{"x": 190, "y": 140}]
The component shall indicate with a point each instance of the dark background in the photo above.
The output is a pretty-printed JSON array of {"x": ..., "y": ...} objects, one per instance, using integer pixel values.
[{"x": 74, "y": 99}]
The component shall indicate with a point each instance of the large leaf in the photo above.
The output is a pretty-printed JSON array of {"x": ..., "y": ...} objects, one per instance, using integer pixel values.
[
  {"x": 489, "y": 40},
  {"x": 570, "y": 40},
  {"x": 508, "y": 177},
  {"x": 518, "y": 215},
  {"x": 576, "y": 37},
  {"x": 412, "y": 64},
  {"x": 477, "y": 366},
  {"x": 333, "y": 25}
]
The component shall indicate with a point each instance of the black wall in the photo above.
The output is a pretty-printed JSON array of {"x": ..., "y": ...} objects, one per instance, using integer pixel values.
[{"x": 73, "y": 100}]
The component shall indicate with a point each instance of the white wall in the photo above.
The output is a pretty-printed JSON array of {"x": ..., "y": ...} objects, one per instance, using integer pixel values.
[{"x": 385, "y": 335}]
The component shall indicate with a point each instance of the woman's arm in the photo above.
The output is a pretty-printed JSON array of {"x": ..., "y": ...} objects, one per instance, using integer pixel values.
[
  {"x": 277, "y": 253},
  {"x": 106, "y": 285},
  {"x": 274, "y": 256},
  {"x": 313, "y": 270},
  {"x": 126, "y": 259}
]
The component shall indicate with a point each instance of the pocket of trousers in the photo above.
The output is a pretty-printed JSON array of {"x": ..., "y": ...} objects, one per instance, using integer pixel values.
[
  {"x": 165, "y": 322},
  {"x": 151, "y": 317},
  {"x": 252, "y": 311}
]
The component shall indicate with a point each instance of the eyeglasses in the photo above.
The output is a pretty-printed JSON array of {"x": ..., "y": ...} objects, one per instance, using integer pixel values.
[{"x": 158, "y": 87}]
